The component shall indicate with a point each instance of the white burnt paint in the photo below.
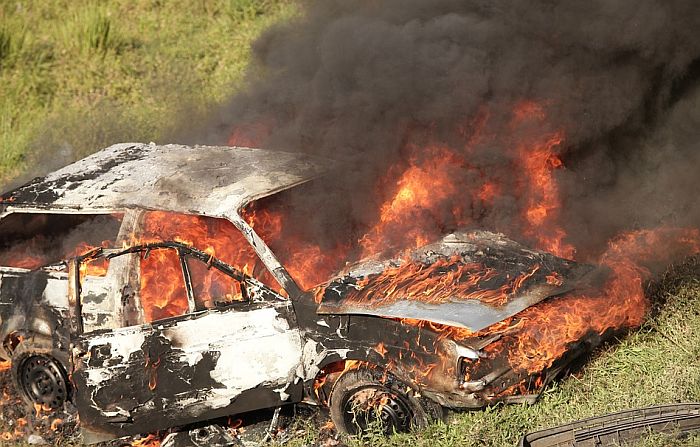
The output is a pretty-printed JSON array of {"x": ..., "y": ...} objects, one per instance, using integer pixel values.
[
  {"x": 56, "y": 292},
  {"x": 98, "y": 299},
  {"x": 313, "y": 354},
  {"x": 254, "y": 347},
  {"x": 207, "y": 180},
  {"x": 122, "y": 344}
]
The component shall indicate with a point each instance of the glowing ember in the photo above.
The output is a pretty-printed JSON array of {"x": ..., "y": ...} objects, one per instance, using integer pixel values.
[
  {"x": 56, "y": 424},
  {"x": 149, "y": 441}
]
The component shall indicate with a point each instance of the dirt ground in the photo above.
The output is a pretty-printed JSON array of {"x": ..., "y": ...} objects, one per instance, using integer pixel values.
[{"x": 20, "y": 426}]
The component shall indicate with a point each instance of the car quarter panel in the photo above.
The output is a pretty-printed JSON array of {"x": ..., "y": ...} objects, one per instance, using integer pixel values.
[
  {"x": 418, "y": 356},
  {"x": 33, "y": 303}
]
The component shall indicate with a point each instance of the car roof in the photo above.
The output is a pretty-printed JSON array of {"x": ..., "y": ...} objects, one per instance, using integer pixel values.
[{"x": 208, "y": 180}]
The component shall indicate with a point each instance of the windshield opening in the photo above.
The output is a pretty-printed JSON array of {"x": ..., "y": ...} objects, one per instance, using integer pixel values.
[{"x": 310, "y": 236}]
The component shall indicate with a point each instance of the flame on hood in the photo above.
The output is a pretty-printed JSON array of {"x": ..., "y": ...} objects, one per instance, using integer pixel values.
[{"x": 469, "y": 280}]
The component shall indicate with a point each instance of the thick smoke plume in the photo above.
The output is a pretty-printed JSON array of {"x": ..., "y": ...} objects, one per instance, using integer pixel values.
[{"x": 377, "y": 84}]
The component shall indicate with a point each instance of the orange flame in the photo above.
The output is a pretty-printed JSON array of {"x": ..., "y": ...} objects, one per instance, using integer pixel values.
[
  {"x": 549, "y": 327},
  {"x": 414, "y": 213},
  {"x": 444, "y": 280},
  {"x": 539, "y": 188},
  {"x": 422, "y": 189},
  {"x": 149, "y": 441},
  {"x": 163, "y": 292}
]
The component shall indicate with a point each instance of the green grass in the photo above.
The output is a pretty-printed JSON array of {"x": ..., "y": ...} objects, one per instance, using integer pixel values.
[{"x": 78, "y": 76}]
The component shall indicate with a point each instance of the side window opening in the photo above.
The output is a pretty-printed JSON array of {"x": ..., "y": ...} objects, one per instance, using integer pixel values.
[
  {"x": 171, "y": 281},
  {"x": 216, "y": 236},
  {"x": 31, "y": 240},
  {"x": 212, "y": 287},
  {"x": 162, "y": 288},
  {"x": 154, "y": 292}
]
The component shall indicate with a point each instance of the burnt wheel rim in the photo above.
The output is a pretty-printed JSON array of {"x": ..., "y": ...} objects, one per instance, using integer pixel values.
[
  {"x": 42, "y": 381},
  {"x": 375, "y": 406}
]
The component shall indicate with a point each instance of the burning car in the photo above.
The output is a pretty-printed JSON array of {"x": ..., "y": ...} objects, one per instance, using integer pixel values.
[{"x": 144, "y": 329}]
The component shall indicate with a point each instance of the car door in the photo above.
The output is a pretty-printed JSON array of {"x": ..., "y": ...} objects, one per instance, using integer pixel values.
[{"x": 214, "y": 343}]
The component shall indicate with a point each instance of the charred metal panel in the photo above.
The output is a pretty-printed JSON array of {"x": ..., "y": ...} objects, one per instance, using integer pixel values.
[
  {"x": 537, "y": 275},
  {"x": 419, "y": 357},
  {"x": 187, "y": 369},
  {"x": 97, "y": 303},
  {"x": 405, "y": 350},
  {"x": 34, "y": 303},
  {"x": 619, "y": 428},
  {"x": 439, "y": 367},
  {"x": 200, "y": 180}
]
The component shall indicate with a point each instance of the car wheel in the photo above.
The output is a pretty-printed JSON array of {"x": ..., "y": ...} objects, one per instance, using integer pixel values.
[
  {"x": 39, "y": 377},
  {"x": 365, "y": 399}
]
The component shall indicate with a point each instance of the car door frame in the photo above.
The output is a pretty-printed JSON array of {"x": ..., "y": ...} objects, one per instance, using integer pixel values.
[{"x": 148, "y": 345}]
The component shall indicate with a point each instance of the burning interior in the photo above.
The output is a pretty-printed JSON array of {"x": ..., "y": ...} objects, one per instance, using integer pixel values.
[{"x": 32, "y": 240}]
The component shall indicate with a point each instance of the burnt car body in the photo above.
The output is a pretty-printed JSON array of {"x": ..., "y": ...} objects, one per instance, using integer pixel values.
[{"x": 129, "y": 375}]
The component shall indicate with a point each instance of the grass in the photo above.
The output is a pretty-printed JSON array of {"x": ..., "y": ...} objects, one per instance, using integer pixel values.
[{"x": 77, "y": 76}]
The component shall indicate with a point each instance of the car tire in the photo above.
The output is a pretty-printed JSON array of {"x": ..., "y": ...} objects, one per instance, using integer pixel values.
[
  {"x": 39, "y": 377},
  {"x": 367, "y": 399}
]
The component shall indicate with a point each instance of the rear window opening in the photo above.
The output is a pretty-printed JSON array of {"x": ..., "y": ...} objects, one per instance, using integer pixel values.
[{"x": 32, "y": 240}]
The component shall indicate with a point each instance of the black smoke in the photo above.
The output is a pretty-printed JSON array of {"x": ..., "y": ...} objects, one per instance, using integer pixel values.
[{"x": 363, "y": 80}]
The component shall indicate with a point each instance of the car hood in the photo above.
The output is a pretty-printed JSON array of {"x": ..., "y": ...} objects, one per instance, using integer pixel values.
[{"x": 468, "y": 279}]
